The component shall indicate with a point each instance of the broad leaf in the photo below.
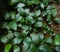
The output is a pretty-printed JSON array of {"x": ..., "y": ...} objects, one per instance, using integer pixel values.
[
  {"x": 16, "y": 48},
  {"x": 25, "y": 46},
  {"x": 20, "y": 5},
  {"x": 4, "y": 39},
  {"x": 16, "y": 40},
  {"x": 35, "y": 38},
  {"x": 37, "y": 13},
  {"x": 45, "y": 48},
  {"x": 10, "y": 35},
  {"x": 38, "y": 24},
  {"x": 13, "y": 25}
]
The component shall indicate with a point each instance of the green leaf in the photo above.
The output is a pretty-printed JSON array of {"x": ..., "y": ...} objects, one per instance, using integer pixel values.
[
  {"x": 19, "y": 25},
  {"x": 16, "y": 34},
  {"x": 13, "y": 2},
  {"x": 4, "y": 39},
  {"x": 30, "y": 19},
  {"x": 44, "y": 13},
  {"x": 54, "y": 12},
  {"x": 7, "y": 47},
  {"x": 25, "y": 46},
  {"x": 36, "y": 1},
  {"x": 57, "y": 20},
  {"x": 16, "y": 40},
  {"x": 45, "y": 48},
  {"x": 32, "y": 2},
  {"x": 17, "y": 17},
  {"x": 27, "y": 11},
  {"x": 40, "y": 19},
  {"x": 46, "y": 2},
  {"x": 49, "y": 18},
  {"x": 27, "y": 40},
  {"x": 51, "y": 10},
  {"x": 37, "y": 13},
  {"x": 33, "y": 48},
  {"x": 49, "y": 40},
  {"x": 5, "y": 25},
  {"x": 24, "y": 33},
  {"x": 57, "y": 39},
  {"x": 16, "y": 48},
  {"x": 42, "y": 5},
  {"x": 32, "y": 14},
  {"x": 12, "y": 15},
  {"x": 10, "y": 35},
  {"x": 38, "y": 24},
  {"x": 35, "y": 38},
  {"x": 13, "y": 25},
  {"x": 41, "y": 36},
  {"x": 21, "y": 11},
  {"x": 57, "y": 48},
  {"x": 25, "y": 27},
  {"x": 20, "y": 5},
  {"x": 7, "y": 16},
  {"x": 21, "y": 19}
]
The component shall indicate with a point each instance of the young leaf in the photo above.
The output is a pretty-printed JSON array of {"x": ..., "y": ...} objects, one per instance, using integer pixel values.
[{"x": 7, "y": 47}]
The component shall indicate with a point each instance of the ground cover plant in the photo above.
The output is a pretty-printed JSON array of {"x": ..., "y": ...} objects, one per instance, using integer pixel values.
[{"x": 28, "y": 27}]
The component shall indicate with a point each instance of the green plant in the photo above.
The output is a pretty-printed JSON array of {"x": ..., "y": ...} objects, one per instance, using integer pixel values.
[{"x": 26, "y": 27}]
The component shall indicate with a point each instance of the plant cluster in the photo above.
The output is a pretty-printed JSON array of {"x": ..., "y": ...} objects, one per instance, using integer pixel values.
[{"x": 28, "y": 27}]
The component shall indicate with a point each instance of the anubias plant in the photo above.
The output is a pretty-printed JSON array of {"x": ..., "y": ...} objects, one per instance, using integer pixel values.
[{"x": 28, "y": 27}]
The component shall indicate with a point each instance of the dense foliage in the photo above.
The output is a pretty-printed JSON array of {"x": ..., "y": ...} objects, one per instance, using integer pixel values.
[{"x": 28, "y": 27}]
